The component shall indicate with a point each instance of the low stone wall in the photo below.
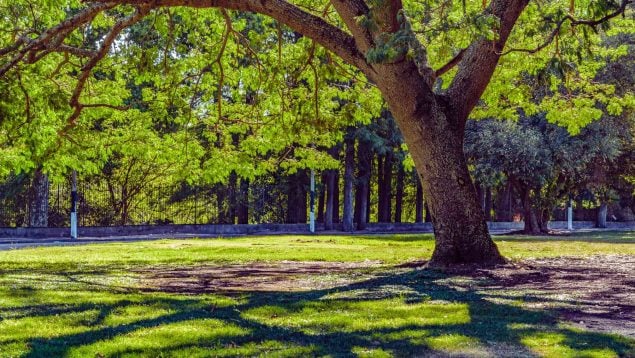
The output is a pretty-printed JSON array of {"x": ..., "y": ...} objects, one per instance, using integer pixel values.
[{"x": 267, "y": 229}]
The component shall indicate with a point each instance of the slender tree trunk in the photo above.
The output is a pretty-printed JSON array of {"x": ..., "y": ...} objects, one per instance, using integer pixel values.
[
  {"x": 380, "y": 188},
  {"x": 419, "y": 203},
  {"x": 320, "y": 206},
  {"x": 243, "y": 202},
  {"x": 232, "y": 192},
  {"x": 399, "y": 194},
  {"x": 330, "y": 189},
  {"x": 428, "y": 217},
  {"x": 349, "y": 178},
  {"x": 488, "y": 204},
  {"x": 364, "y": 163},
  {"x": 602, "y": 212},
  {"x": 221, "y": 207},
  {"x": 336, "y": 197},
  {"x": 39, "y": 200}
]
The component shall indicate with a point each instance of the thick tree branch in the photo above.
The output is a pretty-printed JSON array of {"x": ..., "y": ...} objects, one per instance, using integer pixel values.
[
  {"x": 350, "y": 11},
  {"x": 480, "y": 60},
  {"x": 312, "y": 26}
]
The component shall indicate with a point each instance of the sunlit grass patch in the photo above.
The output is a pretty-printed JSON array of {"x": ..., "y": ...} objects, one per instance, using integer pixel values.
[
  {"x": 95, "y": 300},
  {"x": 333, "y": 316}
]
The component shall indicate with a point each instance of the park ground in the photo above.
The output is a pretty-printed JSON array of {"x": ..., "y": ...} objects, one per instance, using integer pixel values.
[{"x": 368, "y": 296}]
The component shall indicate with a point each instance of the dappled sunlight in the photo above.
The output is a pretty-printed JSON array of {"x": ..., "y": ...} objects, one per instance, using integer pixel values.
[
  {"x": 332, "y": 316},
  {"x": 377, "y": 311}
]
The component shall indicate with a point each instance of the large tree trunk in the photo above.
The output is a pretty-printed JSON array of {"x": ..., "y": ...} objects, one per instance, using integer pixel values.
[
  {"x": 39, "y": 200},
  {"x": 297, "y": 198},
  {"x": 434, "y": 133},
  {"x": 530, "y": 219},
  {"x": 349, "y": 178}
]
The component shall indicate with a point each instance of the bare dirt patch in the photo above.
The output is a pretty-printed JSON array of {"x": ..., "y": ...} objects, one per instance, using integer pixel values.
[
  {"x": 264, "y": 277},
  {"x": 595, "y": 293}
]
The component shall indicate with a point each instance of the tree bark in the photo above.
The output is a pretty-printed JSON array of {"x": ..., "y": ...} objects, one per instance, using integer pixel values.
[
  {"x": 39, "y": 203},
  {"x": 349, "y": 178}
]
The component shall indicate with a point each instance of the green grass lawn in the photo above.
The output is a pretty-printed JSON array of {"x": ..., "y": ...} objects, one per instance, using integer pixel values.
[{"x": 100, "y": 300}]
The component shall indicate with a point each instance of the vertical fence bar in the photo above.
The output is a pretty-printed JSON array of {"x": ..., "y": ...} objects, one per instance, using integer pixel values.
[{"x": 74, "y": 205}]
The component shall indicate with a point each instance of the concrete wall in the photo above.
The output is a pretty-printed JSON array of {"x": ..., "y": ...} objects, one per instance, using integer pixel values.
[{"x": 263, "y": 229}]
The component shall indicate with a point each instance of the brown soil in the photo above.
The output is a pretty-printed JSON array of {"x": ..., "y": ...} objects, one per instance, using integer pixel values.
[
  {"x": 277, "y": 276},
  {"x": 594, "y": 293}
]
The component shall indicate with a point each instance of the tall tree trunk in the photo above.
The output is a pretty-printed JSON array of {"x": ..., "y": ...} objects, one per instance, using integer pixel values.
[
  {"x": 349, "y": 178},
  {"x": 602, "y": 212},
  {"x": 297, "y": 197},
  {"x": 503, "y": 203},
  {"x": 364, "y": 163},
  {"x": 380, "y": 188},
  {"x": 428, "y": 213},
  {"x": 530, "y": 218},
  {"x": 39, "y": 200},
  {"x": 488, "y": 204},
  {"x": 336, "y": 197},
  {"x": 321, "y": 198},
  {"x": 330, "y": 189},
  {"x": 232, "y": 193},
  {"x": 243, "y": 202},
  {"x": 221, "y": 207},
  {"x": 419, "y": 203},
  {"x": 434, "y": 132},
  {"x": 385, "y": 192},
  {"x": 399, "y": 193}
]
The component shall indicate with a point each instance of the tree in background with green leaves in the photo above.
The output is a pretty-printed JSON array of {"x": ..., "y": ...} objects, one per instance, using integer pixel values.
[{"x": 435, "y": 63}]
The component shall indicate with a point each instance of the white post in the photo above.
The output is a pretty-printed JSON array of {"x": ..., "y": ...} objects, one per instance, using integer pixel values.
[
  {"x": 312, "y": 211},
  {"x": 74, "y": 206},
  {"x": 570, "y": 214}
]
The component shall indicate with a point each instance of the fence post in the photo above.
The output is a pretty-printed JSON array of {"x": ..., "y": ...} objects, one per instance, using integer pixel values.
[
  {"x": 74, "y": 205},
  {"x": 312, "y": 212}
]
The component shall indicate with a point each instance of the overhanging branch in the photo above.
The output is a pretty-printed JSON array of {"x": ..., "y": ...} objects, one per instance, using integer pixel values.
[{"x": 574, "y": 22}]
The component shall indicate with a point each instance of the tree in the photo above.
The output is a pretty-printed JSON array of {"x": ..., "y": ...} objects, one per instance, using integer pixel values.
[{"x": 396, "y": 48}]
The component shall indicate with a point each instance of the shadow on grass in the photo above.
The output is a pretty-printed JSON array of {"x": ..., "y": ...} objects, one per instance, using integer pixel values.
[{"x": 408, "y": 313}]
